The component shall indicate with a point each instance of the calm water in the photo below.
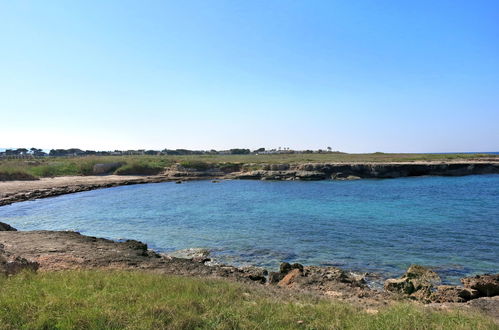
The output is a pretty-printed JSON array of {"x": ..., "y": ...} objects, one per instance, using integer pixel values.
[{"x": 379, "y": 226}]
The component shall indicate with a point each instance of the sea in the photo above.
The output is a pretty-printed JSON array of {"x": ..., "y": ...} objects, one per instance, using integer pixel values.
[{"x": 377, "y": 226}]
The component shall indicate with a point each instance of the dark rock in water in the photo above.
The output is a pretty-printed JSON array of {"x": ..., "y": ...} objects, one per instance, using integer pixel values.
[
  {"x": 450, "y": 293},
  {"x": 6, "y": 227},
  {"x": 418, "y": 281},
  {"x": 487, "y": 285},
  {"x": 178, "y": 182}
]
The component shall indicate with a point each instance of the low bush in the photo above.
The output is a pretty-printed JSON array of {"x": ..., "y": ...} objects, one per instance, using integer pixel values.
[
  {"x": 16, "y": 175},
  {"x": 139, "y": 169}
]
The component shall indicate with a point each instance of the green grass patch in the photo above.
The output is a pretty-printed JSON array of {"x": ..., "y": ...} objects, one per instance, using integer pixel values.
[
  {"x": 195, "y": 164},
  {"x": 118, "y": 299},
  {"x": 139, "y": 169}
]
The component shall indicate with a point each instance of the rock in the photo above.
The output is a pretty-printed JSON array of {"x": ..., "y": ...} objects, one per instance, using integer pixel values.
[
  {"x": 6, "y": 227},
  {"x": 487, "y": 285},
  {"x": 284, "y": 269},
  {"x": 256, "y": 274},
  {"x": 136, "y": 245},
  {"x": 193, "y": 254},
  {"x": 417, "y": 281},
  {"x": 275, "y": 277},
  {"x": 399, "y": 285},
  {"x": 344, "y": 176},
  {"x": 178, "y": 181},
  {"x": 450, "y": 293},
  {"x": 279, "y": 167},
  {"x": 290, "y": 277},
  {"x": 11, "y": 264}
]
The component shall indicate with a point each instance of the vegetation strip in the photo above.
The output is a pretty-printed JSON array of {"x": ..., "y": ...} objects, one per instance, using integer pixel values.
[{"x": 118, "y": 299}]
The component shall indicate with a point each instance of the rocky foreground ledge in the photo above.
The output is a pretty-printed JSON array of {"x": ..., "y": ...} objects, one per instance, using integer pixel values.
[{"x": 60, "y": 250}]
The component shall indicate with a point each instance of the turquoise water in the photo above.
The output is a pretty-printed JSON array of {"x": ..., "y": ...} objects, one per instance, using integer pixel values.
[{"x": 378, "y": 226}]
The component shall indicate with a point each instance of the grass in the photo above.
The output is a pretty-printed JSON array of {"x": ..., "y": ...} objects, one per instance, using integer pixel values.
[
  {"x": 137, "y": 165},
  {"x": 132, "y": 300}
]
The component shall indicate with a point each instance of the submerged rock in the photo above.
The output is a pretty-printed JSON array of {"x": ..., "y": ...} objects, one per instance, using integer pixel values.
[{"x": 6, "y": 227}]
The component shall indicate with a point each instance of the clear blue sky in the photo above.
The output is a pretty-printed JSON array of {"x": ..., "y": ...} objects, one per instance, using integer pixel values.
[{"x": 359, "y": 76}]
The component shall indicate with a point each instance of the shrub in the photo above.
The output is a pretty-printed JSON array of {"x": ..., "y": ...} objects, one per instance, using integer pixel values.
[
  {"x": 195, "y": 164},
  {"x": 139, "y": 169},
  {"x": 16, "y": 175}
]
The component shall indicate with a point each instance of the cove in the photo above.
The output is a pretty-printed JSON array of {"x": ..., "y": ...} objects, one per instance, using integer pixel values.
[{"x": 376, "y": 226}]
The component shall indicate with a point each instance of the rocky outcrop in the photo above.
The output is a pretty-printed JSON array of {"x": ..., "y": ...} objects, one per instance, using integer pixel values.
[
  {"x": 420, "y": 283},
  {"x": 486, "y": 285},
  {"x": 450, "y": 293},
  {"x": 417, "y": 282},
  {"x": 6, "y": 227},
  {"x": 338, "y": 171}
]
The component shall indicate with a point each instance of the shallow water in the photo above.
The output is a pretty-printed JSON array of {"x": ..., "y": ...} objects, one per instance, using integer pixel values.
[{"x": 379, "y": 226}]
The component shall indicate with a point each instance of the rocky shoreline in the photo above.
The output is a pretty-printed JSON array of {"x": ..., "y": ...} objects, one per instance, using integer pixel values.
[
  {"x": 335, "y": 171},
  {"x": 60, "y": 250},
  {"x": 49, "y": 187}
]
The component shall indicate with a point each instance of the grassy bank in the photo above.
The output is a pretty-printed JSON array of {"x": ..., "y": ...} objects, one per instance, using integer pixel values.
[
  {"x": 148, "y": 165},
  {"x": 51, "y": 167},
  {"x": 100, "y": 299}
]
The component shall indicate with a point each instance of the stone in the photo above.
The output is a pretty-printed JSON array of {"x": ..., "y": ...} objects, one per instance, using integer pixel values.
[
  {"x": 487, "y": 285},
  {"x": 6, "y": 227},
  {"x": 450, "y": 293},
  {"x": 256, "y": 274},
  {"x": 399, "y": 285},
  {"x": 192, "y": 253},
  {"x": 417, "y": 281},
  {"x": 290, "y": 277}
]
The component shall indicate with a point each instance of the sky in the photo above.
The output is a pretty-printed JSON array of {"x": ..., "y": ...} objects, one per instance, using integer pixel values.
[{"x": 358, "y": 76}]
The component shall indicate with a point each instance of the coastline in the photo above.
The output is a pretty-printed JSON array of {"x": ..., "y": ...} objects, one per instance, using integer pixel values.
[
  {"x": 52, "y": 250},
  {"x": 18, "y": 191},
  {"x": 47, "y": 251}
]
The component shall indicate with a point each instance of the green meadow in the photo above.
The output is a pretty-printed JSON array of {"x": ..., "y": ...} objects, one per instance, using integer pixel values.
[{"x": 133, "y": 300}]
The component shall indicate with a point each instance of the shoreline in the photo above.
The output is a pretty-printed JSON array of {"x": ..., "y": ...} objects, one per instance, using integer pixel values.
[
  {"x": 47, "y": 251},
  {"x": 19, "y": 191}
]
